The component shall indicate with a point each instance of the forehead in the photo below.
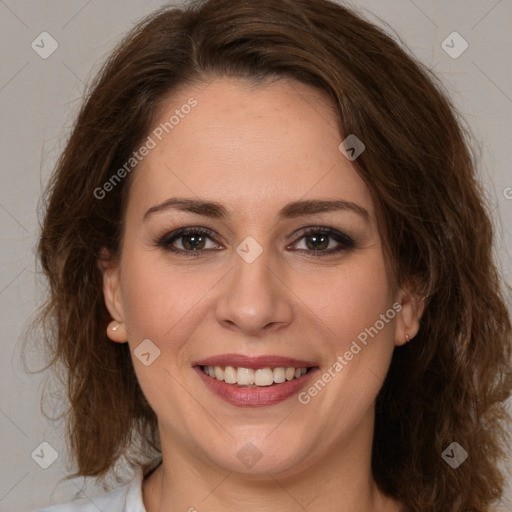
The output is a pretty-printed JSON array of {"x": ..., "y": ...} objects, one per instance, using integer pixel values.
[{"x": 247, "y": 146}]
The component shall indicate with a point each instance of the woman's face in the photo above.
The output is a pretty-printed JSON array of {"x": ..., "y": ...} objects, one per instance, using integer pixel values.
[{"x": 267, "y": 279}]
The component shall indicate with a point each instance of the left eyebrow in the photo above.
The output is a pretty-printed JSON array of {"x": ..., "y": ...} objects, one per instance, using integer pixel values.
[{"x": 292, "y": 210}]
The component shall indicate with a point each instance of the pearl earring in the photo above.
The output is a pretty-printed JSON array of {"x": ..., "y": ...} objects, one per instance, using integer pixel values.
[
  {"x": 114, "y": 325},
  {"x": 406, "y": 338}
]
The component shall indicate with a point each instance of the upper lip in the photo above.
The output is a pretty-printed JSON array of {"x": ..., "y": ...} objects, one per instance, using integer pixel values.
[{"x": 254, "y": 362}]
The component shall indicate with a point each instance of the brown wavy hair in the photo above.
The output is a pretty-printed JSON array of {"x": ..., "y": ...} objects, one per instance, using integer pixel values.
[{"x": 448, "y": 384}]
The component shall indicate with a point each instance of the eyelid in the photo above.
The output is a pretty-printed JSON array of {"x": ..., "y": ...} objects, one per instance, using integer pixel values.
[{"x": 322, "y": 229}]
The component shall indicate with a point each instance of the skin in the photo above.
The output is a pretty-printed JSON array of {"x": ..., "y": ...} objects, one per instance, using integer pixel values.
[{"x": 254, "y": 149}]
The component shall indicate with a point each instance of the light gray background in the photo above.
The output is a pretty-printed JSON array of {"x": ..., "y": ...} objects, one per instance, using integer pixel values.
[{"x": 38, "y": 99}]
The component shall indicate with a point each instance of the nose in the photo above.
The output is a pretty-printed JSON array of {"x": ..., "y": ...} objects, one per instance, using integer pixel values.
[{"x": 256, "y": 298}]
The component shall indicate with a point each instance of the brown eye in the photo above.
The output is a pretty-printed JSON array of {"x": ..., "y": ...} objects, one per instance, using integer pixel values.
[
  {"x": 193, "y": 241},
  {"x": 318, "y": 242}
]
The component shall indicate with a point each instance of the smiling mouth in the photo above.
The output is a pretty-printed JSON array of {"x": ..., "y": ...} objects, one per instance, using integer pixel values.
[{"x": 254, "y": 378}]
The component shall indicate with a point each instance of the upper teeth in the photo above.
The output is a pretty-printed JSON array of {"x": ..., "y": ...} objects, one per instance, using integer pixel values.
[{"x": 248, "y": 376}]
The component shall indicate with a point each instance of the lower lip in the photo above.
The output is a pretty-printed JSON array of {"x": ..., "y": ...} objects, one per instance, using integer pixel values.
[{"x": 255, "y": 397}]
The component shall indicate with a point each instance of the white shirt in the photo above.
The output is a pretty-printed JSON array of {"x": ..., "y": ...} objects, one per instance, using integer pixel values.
[{"x": 123, "y": 499}]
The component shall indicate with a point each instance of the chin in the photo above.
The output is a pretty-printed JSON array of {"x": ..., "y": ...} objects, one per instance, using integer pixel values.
[{"x": 256, "y": 457}]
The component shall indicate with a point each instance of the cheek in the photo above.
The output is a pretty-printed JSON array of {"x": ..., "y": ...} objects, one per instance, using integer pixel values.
[
  {"x": 160, "y": 304},
  {"x": 351, "y": 297},
  {"x": 152, "y": 296},
  {"x": 160, "y": 300}
]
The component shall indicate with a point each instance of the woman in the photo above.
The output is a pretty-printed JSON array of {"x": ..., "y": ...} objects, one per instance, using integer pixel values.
[{"x": 271, "y": 272}]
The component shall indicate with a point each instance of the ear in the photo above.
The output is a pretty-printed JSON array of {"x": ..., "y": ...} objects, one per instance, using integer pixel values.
[
  {"x": 408, "y": 318},
  {"x": 110, "y": 270}
]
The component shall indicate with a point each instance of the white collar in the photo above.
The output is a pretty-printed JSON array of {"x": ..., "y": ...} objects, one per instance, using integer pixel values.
[{"x": 134, "y": 501}]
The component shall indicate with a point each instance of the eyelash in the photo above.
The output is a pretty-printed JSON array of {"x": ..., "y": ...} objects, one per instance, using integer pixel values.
[{"x": 345, "y": 241}]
